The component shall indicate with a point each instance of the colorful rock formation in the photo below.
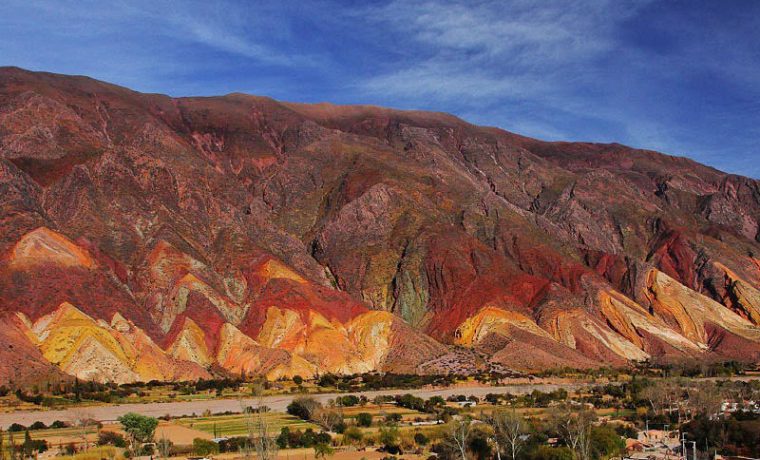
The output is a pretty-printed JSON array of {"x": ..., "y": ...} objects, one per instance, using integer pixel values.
[{"x": 146, "y": 237}]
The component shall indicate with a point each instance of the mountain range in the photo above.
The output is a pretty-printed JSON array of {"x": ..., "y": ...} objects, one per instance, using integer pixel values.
[{"x": 145, "y": 237}]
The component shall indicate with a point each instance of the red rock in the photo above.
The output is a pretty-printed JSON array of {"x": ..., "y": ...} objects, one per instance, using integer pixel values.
[{"x": 216, "y": 209}]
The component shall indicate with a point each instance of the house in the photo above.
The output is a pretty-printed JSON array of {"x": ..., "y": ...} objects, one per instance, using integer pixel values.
[{"x": 466, "y": 403}]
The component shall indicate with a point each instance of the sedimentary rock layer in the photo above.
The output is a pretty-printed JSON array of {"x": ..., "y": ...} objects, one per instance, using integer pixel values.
[{"x": 146, "y": 237}]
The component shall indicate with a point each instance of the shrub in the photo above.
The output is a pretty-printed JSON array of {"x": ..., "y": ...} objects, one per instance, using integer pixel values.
[
  {"x": 605, "y": 442},
  {"x": 37, "y": 426},
  {"x": 353, "y": 435},
  {"x": 109, "y": 438},
  {"x": 327, "y": 380},
  {"x": 347, "y": 401},
  {"x": 552, "y": 453},
  {"x": 204, "y": 447},
  {"x": 296, "y": 439},
  {"x": 388, "y": 437},
  {"x": 393, "y": 418},
  {"x": 420, "y": 439},
  {"x": 323, "y": 450},
  {"x": 304, "y": 407},
  {"x": 364, "y": 419}
]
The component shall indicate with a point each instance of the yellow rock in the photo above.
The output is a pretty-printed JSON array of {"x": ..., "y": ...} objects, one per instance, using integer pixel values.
[
  {"x": 282, "y": 329},
  {"x": 273, "y": 269},
  {"x": 371, "y": 332},
  {"x": 564, "y": 322},
  {"x": 495, "y": 320},
  {"x": 747, "y": 297},
  {"x": 691, "y": 310},
  {"x": 359, "y": 346},
  {"x": 77, "y": 344},
  {"x": 190, "y": 345},
  {"x": 44, "y": 246},
  {"x": 627, "y": 315}
]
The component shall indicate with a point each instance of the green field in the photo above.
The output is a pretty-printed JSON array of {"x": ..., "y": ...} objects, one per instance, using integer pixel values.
[{"x": 236, "y": 425}]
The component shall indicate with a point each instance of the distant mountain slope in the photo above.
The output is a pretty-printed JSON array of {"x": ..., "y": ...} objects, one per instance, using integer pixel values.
[{"x": 148, "y": 237}]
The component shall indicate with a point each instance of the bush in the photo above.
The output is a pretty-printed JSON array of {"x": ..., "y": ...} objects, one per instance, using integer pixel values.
[
  {"x": 297, "y": 379},
  {"x": 393, "y": 418},
  {"x": 364, "y": 419},
  {"x": 37, "y": 426},
  {"x": 297, "y": 439},
  {"x": 353, "y": 435},
  {"x": 605, "y": 442},
  {"x": 327, "y": 380},
  {"x": 304, "y": 407},
  {"x": 16, "y": 428},
  {"x": 552, "y": 453},
  {"x": 109, "y": 438},
  {"x": 627, "y": 431},
  {"x": 347, "y": 401},
  {"x": 58, "y": 424},
  {"x": 30, "y": 447},
  {"x": 204, "y": 447},
  {"x": 388, "y": 437},
  {"x": 420, "y": 439}
]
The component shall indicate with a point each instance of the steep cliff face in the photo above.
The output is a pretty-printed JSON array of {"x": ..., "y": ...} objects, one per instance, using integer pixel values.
[{"x": 147, "y": 237}]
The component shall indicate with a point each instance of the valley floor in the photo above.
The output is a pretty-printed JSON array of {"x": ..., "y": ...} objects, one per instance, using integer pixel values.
[{"x": 276, "y": 403}]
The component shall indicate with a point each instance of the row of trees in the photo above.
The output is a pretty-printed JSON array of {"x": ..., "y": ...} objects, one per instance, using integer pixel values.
[
  {"x": 17, "y": 451},
  {"x": 506, "y": 434}
]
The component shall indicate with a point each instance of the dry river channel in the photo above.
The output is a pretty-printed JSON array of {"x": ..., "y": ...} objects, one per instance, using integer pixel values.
[{"x": 278, "y": 403}]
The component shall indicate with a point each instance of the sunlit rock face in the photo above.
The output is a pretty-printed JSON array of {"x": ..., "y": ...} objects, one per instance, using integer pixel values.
[{"x": 149, "y": 238}]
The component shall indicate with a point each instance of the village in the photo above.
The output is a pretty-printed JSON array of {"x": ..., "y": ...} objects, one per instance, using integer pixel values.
[{"x": 641, "y": 419}]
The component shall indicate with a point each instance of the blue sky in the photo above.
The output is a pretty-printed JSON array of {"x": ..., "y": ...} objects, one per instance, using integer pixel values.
[{"x": 682, "y": 77}]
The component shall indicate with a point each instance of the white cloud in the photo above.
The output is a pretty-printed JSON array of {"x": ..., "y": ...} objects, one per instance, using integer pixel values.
[{"x": 476, "y": 51}]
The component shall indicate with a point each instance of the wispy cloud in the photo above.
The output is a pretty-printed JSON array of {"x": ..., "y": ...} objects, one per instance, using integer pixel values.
[
  {"x": 484, "y": 48},
  {"x": 682, "y": 77},
  {"x": 142, "y": 40}
]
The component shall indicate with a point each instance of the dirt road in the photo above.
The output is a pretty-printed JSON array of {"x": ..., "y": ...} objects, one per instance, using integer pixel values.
[{"x": 276, "y": 403}]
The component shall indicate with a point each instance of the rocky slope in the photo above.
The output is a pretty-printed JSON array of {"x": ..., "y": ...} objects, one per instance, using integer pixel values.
[{"x": 147, "y": 237}]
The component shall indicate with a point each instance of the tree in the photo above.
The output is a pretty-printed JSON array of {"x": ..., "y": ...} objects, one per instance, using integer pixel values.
[
  {"x": 82, "y": 420},
  {"x": 323, "y": 450},
  {"x": 364, "y": 419},
  {"x": 259, "y": 436},
  {"x": 298, "y": 380},
  {"x": 353, "y": 435},
  {"x": 32, "y": 447},
  {"x": 663, "y": 396},
  {"x": 12, "y": 445},
  {"x": 139, "y": 428},
  {"x": 328, "y": 419},
  {"x": 706, "y": 399},
  {"x": 164, "y": 446},
  {"x": 304, "y": 407},
  {"x": 458, "y": 434},
  {"x": 106, "y": 438},
  {"x": 478, "y": 444},
  {"x": 508, "y": 428},
  {"x": 605, "y": 442},
  {"x": 575, "y": 428},
  {"x": 205, "y": 447},
  {"x": 388, "y": 437}
]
